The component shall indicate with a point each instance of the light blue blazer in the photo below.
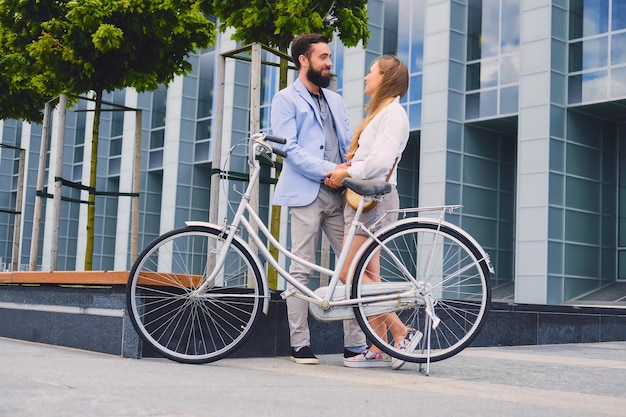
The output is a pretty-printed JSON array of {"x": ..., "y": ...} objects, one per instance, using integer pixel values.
[{"x": 295, "y": 116}]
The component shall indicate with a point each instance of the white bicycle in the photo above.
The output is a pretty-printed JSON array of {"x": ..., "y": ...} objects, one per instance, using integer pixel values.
[{"x": 195, "y": 293}]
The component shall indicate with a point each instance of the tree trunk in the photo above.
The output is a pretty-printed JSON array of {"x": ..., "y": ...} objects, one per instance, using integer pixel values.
[{"x": 93, "y": 172}]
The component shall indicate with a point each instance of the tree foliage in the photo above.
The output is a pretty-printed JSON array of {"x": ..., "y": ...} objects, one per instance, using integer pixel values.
[
  {"x": 49, "y": 47},
  {"x": 275, "y": 23},
  {"x": 75, "y": 46}
]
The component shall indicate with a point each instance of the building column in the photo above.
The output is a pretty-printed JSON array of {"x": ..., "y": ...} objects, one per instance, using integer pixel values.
[
  {"x": 533, "y": 163},
  {"x": 171, "y": 151},
  {"x": 435, "y": 102}
]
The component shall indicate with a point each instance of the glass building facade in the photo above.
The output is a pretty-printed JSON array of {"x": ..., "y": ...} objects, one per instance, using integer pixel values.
[{"x": 517, "y": 112}]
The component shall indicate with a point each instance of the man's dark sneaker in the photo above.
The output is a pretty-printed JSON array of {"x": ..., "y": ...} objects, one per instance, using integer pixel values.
[
  {"x": 304, "y": 356},
  {"x": 348, "y": 353}
]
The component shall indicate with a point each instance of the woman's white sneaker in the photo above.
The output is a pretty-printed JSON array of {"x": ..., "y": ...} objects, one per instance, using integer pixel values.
[
  {"x": 368, "y": 359},
  {"x": 409, "y": 344}
]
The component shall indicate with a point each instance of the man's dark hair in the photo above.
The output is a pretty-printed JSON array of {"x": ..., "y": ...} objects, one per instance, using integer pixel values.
[{"x": 301, "y": 45}]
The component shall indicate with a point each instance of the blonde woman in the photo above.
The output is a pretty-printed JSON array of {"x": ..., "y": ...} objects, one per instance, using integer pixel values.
[{"x": 374, "y": 153}]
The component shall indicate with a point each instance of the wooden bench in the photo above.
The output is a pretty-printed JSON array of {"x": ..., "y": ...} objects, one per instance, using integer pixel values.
[{"x": 65, "y": 277}]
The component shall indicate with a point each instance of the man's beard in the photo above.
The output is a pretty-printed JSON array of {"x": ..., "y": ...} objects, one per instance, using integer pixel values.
[{"x": 317, "y": 78}]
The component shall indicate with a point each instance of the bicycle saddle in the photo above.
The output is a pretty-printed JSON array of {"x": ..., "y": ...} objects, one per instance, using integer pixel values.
[{"x": 367, "y": 187}]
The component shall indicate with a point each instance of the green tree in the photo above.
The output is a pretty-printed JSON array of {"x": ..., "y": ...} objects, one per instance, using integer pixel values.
[
  {"x": 81, "y": 46},
  {"x": 18, "y": 100},
  {"x": 275, "y": 23}
]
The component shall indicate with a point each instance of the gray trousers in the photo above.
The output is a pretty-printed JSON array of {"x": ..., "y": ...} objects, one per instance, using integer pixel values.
[{"x": 325, "y": 213}]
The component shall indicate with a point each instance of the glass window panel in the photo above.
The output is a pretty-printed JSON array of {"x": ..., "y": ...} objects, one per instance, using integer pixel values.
[
  {"x": 456, "y": 79},
  {"x": 587, "y": 228},
  {"x": 588, "y": 17},
  {"x": 187, "y": 129},
  {"x": 117, "y": 123},
  {"x": 608, "y": 263},
  {"x": 203, "y": 129},
  {"x": 618, "y": 48},
  {"x": 556, "y": 192},
  {"x": 509, "y": 69},
  {"x": 241, "y": 96},
  {"x": 595, "y": 53},
  {"x": 375, "y": 12},
  {"x": 555, "y": 256},
  {"x": 78, "y": 154},
  {"x": 558, "y": 89},
  {"x": 474, "y": 28},
  {"x": 472, "y": 80},
  {"x": 457, "y": 46},
  {"x": 574, "y": 287},
  {"x": 574, "y": 89},
  {"x": 488, "y": 103},
  {"x": 582, "y": 194},
  {"x": 453, "y": 166},
  {"x": 510, "y": 26},
  {"x": 202, "y": 151},
  {"x": 575, "y": 56},
  {"x": 375, "y": 41},
  {"x": 415, "y": 115},
  {"x": 455, "y": 106},
  {"x": 415, "y": 88},
  {"x": 157, "y": 138},
  {"x": 205, "y": 84},
  {"x": 115, "y": 147},
  {"x": 559, "y": 23},
  {"x": 158, "y": 107},
  {"x": 489, "y": 73},
  {"x": 453, "y": 196},
  {"x": 594, "y": 86},
  {"x": 457, "y": 15},
  {"x": 621, "y": 268},
  {"x": 455, "y": 135},
  {"x": 554, "y": 290},
  {"x": 581, "y": 260},
  {"x": 509, "y": 100},
  {"x": 490, "y": 36},
  {"x": 484, "y": 230},
  {"x": 472, "y": 106},
  {"x": 583, "y": 161},
  {"x": 190, "y": 83},
  {"x": 156, "y": 159},
  {"x": 416, "y": 27},
  {"x": 481, "y": 172},
  {"x": 559, "y": 56},
  {"x": 618, "y": 18}
]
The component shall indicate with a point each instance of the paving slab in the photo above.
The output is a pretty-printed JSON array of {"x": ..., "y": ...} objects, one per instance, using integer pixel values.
[{"x": 567, "y": 380}]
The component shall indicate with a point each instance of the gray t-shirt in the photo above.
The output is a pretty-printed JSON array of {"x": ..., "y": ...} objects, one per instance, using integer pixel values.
[{"x": 331, "y": 147}]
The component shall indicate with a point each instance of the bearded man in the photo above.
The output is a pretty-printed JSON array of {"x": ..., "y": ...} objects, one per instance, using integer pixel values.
[{"x": 314, "y": 121}]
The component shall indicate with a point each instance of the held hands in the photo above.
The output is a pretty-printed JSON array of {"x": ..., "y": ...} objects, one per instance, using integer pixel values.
[{"x": 334, "y": 179}]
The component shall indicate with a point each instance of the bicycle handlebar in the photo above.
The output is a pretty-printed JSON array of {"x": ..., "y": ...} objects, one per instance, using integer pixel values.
[{"x": 276, "y": 139}]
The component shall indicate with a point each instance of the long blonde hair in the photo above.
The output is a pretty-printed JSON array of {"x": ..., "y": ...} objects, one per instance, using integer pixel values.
[{"x": 394, "y": 83}]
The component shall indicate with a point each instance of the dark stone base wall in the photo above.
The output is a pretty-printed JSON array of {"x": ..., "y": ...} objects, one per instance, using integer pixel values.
[{"x": 94, "y": 319}]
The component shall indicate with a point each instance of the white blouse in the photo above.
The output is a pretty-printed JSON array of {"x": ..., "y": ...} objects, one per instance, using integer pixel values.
[{"x": 382, "y": 142}]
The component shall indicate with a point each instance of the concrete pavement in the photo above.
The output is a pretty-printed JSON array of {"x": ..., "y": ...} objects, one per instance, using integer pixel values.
[{"x": 527, "y": 381}]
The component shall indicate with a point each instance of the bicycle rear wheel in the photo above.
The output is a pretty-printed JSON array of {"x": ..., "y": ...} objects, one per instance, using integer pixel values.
[
  {"x": 183, "y": 324},
  {"x": 437, "y": 263}
]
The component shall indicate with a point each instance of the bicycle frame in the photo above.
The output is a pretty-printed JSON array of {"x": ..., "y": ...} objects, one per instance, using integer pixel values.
[
  {"x": 299, "y": 290},
  {"x": 258, "y": 146}
]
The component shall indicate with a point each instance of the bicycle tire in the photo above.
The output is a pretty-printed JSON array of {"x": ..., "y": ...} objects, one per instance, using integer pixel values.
[
  {"x": 185, "y": 326},
  {"x": 433, "y": 254}
]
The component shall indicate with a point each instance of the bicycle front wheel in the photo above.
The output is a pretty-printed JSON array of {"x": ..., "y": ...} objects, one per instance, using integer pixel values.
[
  {"x": 172, "y": 316},
  {"x": 429, "y": 264}
]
